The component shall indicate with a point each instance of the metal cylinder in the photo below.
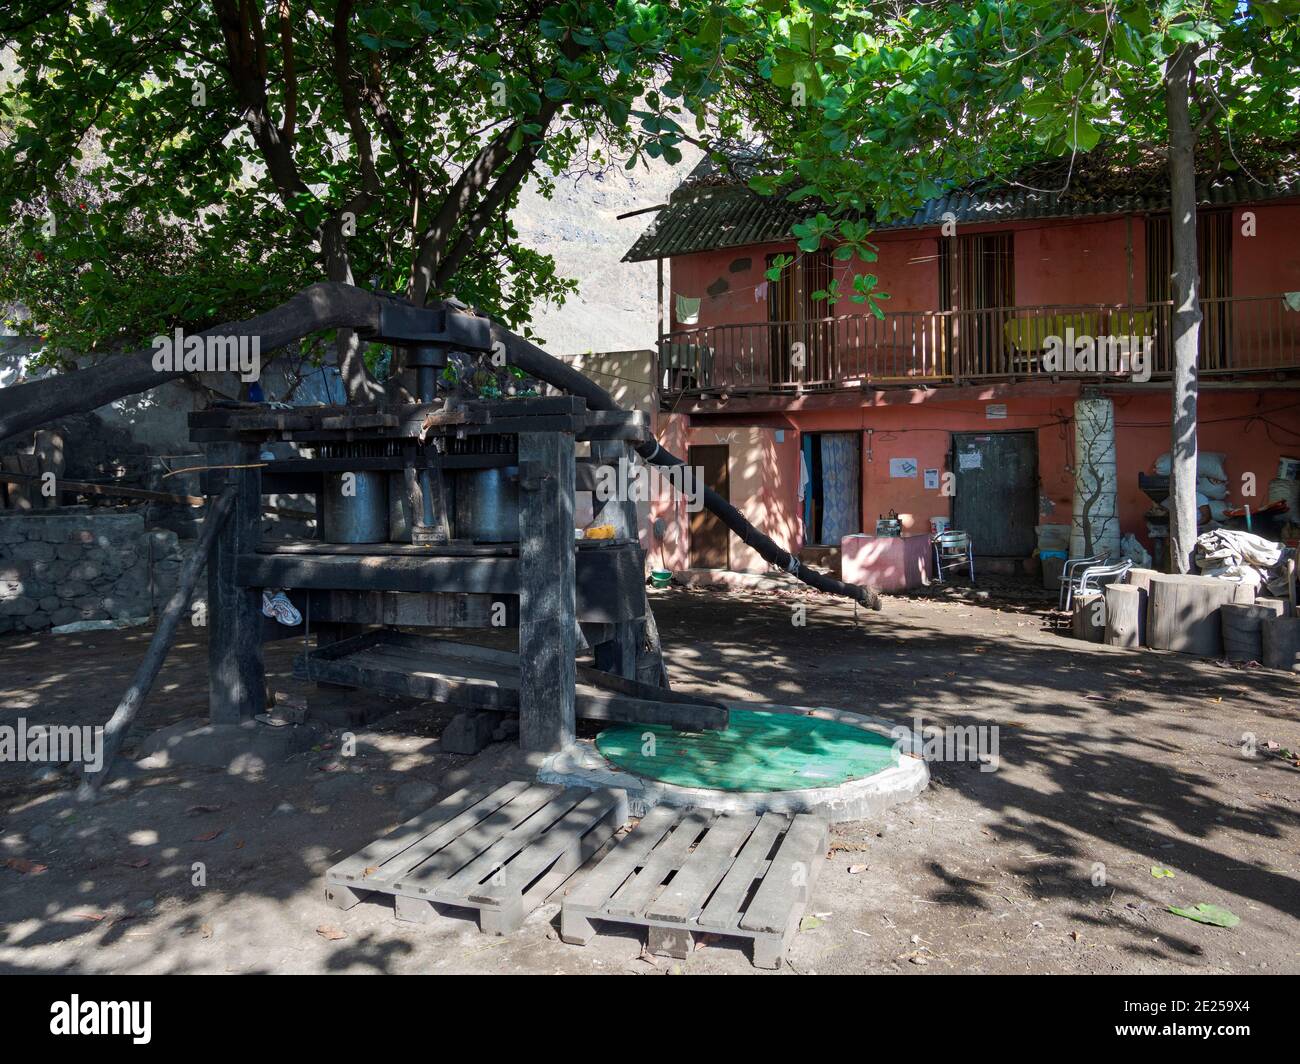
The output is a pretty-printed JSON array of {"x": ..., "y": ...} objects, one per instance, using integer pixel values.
[
  {"x": 356, "y": 507},
  {"x": 487, "y": 505}
]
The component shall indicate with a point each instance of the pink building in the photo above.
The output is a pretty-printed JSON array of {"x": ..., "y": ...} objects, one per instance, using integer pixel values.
[{"x": 817, "y": 419}]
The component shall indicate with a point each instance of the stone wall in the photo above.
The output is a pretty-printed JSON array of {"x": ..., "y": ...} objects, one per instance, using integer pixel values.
[{"x": 83, "y": 564}]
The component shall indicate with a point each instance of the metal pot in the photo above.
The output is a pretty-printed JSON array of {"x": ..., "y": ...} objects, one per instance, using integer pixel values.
[
  {"x": 487, "y": 505},
  {"x": 361, "y": 515}
]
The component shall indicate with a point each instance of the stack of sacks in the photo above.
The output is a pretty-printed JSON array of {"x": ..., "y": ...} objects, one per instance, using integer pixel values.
[
  {"x": 1211, "y": 481},
  {"x": 1243, "y": 558}
]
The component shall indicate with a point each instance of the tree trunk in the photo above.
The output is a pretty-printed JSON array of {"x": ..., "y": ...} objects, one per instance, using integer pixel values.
[
  {"x": 1186, "y": 310},
  {"x": 360, "y": 386},
  {"x": 24, "y": 407}
]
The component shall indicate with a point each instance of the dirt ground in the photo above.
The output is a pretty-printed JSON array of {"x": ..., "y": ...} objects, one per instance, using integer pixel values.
[{"x": 1111, "y": 763}]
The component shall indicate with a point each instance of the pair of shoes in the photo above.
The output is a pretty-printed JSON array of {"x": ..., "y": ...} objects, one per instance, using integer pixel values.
[{"x": 279, "y": 607}]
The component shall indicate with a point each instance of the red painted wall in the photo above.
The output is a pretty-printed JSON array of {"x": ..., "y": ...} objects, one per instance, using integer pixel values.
[
  {"x": 1253, "y": 428},
  {"x": 1056, "y": 262}
]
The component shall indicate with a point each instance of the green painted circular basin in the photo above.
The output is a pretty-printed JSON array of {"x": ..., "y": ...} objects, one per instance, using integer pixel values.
[{"x": 759, "y": 751}]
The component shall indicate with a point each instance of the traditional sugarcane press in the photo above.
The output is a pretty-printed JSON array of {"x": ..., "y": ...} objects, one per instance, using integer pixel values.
[{"x": 450, "y": 512}]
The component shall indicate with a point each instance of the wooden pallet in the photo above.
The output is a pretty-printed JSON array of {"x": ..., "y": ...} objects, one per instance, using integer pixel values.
[
  {"x": 500, "y": 850},
  {"x": 684, "y": 872}
]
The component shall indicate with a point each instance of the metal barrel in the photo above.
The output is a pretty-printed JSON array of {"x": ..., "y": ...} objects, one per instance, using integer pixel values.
[
  {"x": 356, "y": 509},
  {"x": 487, "y": 505}
]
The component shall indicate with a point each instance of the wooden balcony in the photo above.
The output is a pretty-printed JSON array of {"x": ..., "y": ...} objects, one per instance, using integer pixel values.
[{"x": 1239, "y": 337}]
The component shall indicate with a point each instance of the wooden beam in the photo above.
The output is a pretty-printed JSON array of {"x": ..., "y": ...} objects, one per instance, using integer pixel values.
[
  {"x": 547, "y": 596},
  {"x": 236, "y": 678}
]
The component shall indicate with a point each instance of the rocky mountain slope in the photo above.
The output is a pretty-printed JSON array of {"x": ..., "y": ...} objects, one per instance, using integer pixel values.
[{"x": 614, "y": 309}]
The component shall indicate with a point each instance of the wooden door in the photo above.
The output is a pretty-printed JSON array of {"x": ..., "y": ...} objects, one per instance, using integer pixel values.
[
  {"x": 996, "y": 501},
  {"x": 709, "y": 536}
]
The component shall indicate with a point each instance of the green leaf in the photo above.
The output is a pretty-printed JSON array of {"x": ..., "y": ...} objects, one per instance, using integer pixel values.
[
  {"x": 1208, "y": 914},
  {"x": 1161, "y": 873}
]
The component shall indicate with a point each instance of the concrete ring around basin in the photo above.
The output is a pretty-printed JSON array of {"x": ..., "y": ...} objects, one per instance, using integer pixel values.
[{"x": 582, "y": 765}]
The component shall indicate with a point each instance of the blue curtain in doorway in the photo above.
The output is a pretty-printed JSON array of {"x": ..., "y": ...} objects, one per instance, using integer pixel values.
[{"x": 841, "y": 481}]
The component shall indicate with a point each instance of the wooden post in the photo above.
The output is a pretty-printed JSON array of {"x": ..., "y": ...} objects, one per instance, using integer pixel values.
[
  {"x": 236, "y": 678},
  {"x": 619, "y": 654},
  {"x": 547, "y": 607}
]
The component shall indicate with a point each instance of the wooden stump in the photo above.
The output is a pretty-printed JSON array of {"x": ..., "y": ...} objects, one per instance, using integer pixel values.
[
  {"x": 1183, "y": 613},
  {"x": 1126, "y": 615},
  {"x": 1277, "y": 604},
  {"x": 1089, "y": 620},
  {"x": 1242, "y": 623},
  {"x": 1281, "y": 643},
  {"x": 1141, "y": 578}
]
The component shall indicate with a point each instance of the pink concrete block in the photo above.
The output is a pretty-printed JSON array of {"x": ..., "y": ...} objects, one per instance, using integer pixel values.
[{"x": 887, "y": 563}]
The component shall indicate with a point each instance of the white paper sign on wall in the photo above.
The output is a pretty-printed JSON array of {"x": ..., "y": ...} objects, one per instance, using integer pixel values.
[
  {"x": 995, "y": 411},
  {"x": 903, "y": 467},
  {"x": 932, "y": 480}
]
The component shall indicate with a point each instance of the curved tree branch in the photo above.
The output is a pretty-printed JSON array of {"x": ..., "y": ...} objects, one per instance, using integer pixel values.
[{"x": 24, "y": 407}]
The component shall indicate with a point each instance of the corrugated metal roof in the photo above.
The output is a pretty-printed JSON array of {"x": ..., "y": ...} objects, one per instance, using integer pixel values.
[{"x": 703, "y": 215}]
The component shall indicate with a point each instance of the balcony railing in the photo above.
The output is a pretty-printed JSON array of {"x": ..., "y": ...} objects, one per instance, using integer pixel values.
[{"x": 1243, "y": 335}]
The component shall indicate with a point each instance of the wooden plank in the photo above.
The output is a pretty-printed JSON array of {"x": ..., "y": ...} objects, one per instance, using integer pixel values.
[
  {"x": 666, "y": 857},
  {"x": 563, "y": 837},
  {"x": 378, "y": 572},
  {"x": 786, "y": 884},
  {"x": 599, "y": 883},
  {"x": 496, "y": 858},
  {"x": 424, "y": 878},
  {"x": 82, "y": 487},
  {"x": 547, "y": 603},
  {"x": 315, "y": 547},
  {"x": 432, "y": 609},
  {"x": 600, "y": 678},
  {"x": 607, "y": 585},
  {"x": 703, "y": 869},
  {"x": 446, "y": 816},
  {"x": 723, "y": 908}
]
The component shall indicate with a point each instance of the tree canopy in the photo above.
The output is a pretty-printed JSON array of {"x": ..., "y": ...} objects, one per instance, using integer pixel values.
[
  {"x": 191, "y": 161},
  {"x": 187, "y": 161}
]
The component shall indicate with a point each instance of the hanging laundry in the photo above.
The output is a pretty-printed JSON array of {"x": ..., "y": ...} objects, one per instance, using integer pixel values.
[
  {"x": 688, "y": 310},
  {"x": 760, "y": 292}
]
